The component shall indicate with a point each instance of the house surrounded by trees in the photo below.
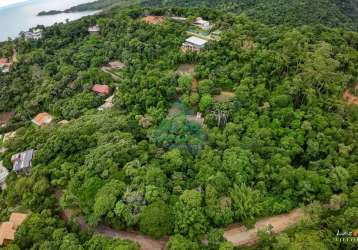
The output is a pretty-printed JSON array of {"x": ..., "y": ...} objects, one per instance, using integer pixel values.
[
  {"x": 42, "y": 119},
  {"x": 22, "y": 161},
  {"x": 5, "y": 65},
  {"x": 8, "y": 228},
  {"x": 194, "y": 44},
  {"x": 94, "y": 30}
]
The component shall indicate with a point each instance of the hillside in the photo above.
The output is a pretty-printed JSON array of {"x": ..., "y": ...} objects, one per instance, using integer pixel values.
[
  {"x": 332, "y": 13},
  {"x": 177, "y": 137}
]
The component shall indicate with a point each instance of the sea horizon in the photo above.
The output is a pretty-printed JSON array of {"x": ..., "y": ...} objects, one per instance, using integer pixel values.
[
  {"x": 21, "y": 15},
  {"x": 4, "y": 4}
]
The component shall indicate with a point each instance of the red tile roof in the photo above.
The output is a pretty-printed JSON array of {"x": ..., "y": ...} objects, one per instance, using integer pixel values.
[
  {"x": 42, "y": 118},
  {"x": 154, "y": 19},
  {"x": 8, "y": 229},
  {"x": 4, "y": 61},
  {"x": 101, "y": 89}
]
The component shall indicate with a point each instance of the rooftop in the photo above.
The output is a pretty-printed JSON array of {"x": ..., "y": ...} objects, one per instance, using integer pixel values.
[
  {"x": 154, "y": 19},
  {"x": 116, "y": 65},
  {"x": 8, "y": 229},
  {"x": 17, "y": 218},
  {"x": 201, "y": 23},
  {"x": 42, "y": 119},
  {"x": 107, "y": 104},
  {"x": 22, "y": 160},
  {"x": 196, "y": 41},
  {"x": 3, "y": 173},
  {"x": 178, "y": 18},
  {"x": 94, "y": 28},
  {"x": 4, "y": 61},
  {"x": 101, "y": 89}
]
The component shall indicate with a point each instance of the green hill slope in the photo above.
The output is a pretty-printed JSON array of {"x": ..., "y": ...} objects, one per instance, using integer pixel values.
[{"x": 328, "y": 12}]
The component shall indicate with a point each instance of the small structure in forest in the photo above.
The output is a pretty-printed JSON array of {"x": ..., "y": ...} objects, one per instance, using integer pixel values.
[
  {"x": 349, "y": 97},
  {"x": 8, "y": 229},
  {"x": 94, "y": 30},
  {"x": 193, "y": 44},
  {"x": 178, "y": 18},
  {"x": 5, "y": 118},
  {"x": 33, "y": 34},
  {"x": 101, "y": 89},
  {"x": 22, "y": 162},
  {"x": 42, "y": 119},
  {"x": 185, "y": 70},
  {"x": 63, "y": 122},
  {"x": 3, "y": 175},
  {"x": 108, "y": 103},
  {"x": 5, "y": 65},
  {"x": 202, "y": 24},
  {"x": 195, "y": 118},
  {"x": 153, "y": 19},
  {"x": 225, "y": 96},
  {"x": 116, "y": 65},
  {"x": 8, "y": 136}
]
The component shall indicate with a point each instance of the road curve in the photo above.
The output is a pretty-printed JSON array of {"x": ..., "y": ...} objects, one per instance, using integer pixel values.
[{"x": 239, "y": 235}]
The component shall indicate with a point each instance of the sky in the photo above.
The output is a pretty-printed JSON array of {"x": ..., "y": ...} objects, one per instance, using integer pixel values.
[{"x": 4, "y": 3}]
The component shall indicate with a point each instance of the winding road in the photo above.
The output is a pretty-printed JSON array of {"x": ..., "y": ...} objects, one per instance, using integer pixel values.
[{"x": 237, "y": 234}]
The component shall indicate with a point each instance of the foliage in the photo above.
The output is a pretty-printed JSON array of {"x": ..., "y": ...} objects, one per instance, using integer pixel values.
[
  {"x": 285, "y": 140},
  {"x": 155, "y": 220}
]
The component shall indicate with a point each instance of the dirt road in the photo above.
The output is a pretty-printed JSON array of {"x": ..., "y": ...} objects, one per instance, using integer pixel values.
[
  {"x": 145, "y": 242},
  {"x": 239, "y": 235}
]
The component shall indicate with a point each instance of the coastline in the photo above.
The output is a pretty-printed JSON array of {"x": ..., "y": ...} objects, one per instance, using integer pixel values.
[
  {"x": 16, "y": 3},
  {"x": 28, "y": 9},
  {"x": 90, "y": 6}
]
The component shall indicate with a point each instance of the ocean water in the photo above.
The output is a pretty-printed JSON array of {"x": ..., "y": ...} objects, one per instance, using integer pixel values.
[{"x": 20, "y": 15}]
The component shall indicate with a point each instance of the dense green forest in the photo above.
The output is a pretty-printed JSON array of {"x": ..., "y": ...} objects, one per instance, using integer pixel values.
[
  {"x": 333, "y": 13},
  {"x": 288, "y": 12},
  {"x": 286, "y": 140}
]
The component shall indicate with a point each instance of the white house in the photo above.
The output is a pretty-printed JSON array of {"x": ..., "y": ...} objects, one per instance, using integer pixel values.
[
  {"x": 22, "y": 161},
  {"x": 201, "y": 23},
  {"x": 34, "y": 34},
  {"x": 193, "y": 43},
  {"x": 94, "y": 29}
]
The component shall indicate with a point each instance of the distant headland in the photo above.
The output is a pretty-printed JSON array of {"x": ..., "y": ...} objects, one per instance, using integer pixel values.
[{"x": 91, "y": 6}]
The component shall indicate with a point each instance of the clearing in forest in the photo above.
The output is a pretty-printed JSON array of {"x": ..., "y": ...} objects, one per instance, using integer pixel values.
[
  {"x": 186, "y": 70},
  {"x": 224, "y": 96},
  {"x": 349, "y": 97},
  {"x": 194, "y": 85},
  {"x": 180, "y": 109}
]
